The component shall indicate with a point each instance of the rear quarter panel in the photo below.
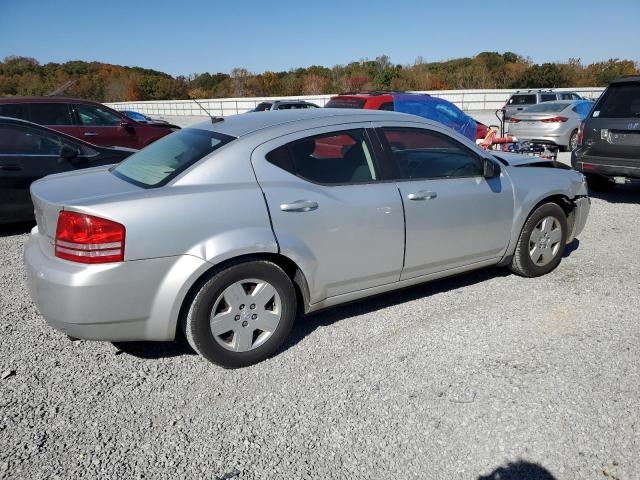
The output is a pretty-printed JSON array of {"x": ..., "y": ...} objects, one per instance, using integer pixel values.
[{"x": 214, "y": 211}]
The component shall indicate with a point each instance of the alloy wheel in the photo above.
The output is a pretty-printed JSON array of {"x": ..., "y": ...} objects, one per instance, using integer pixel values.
[{"x": 245, "y": 315}]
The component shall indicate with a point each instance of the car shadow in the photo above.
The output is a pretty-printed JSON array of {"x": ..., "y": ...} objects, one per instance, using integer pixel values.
[
  {"x": 629, "y": 193},
  {"x": 155, "y": 350},
  {"x": 519, "y": 470},
  {"x": 19, "y": 228},
  {"x": 307, "y": 325}
]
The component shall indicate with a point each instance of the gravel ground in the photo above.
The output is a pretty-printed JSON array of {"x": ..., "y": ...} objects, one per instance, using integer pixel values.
[{"x": 486, "y": 375}]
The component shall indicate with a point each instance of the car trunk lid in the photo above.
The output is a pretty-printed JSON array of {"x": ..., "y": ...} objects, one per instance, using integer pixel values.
[
  {"x": 58, "y": 192},
  {"x": 613, "y": 129}
]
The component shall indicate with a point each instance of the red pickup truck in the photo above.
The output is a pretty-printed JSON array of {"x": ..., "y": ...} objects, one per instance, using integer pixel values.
[{"x": 86, "y": 120}]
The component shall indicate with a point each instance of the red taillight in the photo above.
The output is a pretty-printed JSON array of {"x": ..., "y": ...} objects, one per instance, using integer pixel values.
[
  {"x": 580, "y": 133},
  {"x": 555, "y": 120},
  {"x": 514, "y": 120},
  {"x": 88, "y": 239}
]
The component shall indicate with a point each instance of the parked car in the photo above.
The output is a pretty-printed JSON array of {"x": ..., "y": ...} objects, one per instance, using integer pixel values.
[
  {"x": 608, "y": 148},
  {"x": 230, "y": 228},
  {"x": 425, "y": 106},
  {"x": 554, "y": 123},
  {"x": 29, "y": 152},
  {"x": 86, "y": 120},
  {"x": 283, "y": 105},
  {"x": 142, "y": 118},
  {"x": 523, "y": 99}
]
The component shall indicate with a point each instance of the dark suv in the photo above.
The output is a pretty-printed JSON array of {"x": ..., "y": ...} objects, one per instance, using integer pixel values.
[
  {"x": 608, "y": 149},
  {"x": 85, "y": 120}
]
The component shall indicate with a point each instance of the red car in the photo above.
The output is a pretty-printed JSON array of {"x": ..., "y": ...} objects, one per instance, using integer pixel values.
[
  {"x": 380, "y": 101},
  {"x": 86, "y": 120}
]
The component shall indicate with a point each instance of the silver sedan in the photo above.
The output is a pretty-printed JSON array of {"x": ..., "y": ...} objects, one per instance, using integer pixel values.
[
  {"x": 551, "y": 122},
  {"x": 231, "y": 229}
]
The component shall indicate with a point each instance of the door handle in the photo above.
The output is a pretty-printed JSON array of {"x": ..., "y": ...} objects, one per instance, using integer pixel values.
[
  {"x": 11, "y": 168},
  {"x": 299, "y": 206},
  {"x": 422, "y": 195},
  {"x": 90, "y": 134}
]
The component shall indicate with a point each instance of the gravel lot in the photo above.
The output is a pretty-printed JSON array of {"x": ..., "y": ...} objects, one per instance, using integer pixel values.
[{"x": 486, "y": 375}]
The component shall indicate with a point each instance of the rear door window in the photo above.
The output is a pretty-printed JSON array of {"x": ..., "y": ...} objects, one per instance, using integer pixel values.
[
  {"x": 50, "y": 113},
  {"x": 329, "y": 159},
  {"x": 164, "y": 159},
  {"x": 522, "y": 100},
  {"x": 619, "y": 101},
  {"x": 547, "y": 97},
  {"x": 14, "y": 110}
]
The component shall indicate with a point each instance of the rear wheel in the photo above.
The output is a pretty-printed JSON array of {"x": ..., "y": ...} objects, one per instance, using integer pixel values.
[
  {"x": 242, "y": 314},
  {"x": 573, "y": 141},
  {"x": 541, "y": 243},
  {"x": 599, "y": 183}
]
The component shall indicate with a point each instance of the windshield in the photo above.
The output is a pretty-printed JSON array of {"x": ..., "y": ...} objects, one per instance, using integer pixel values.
[
  {"x": 547, "y": 108},
  {"x": 345, "y": 103},
  {"x": 155, "y": 165},
  {"x": 135, "y": 116}
]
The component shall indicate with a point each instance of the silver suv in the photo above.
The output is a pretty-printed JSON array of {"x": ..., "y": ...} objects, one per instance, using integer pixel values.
[
  {"x": 525, "y": 98},
  {"x": 230, "y": 229}
]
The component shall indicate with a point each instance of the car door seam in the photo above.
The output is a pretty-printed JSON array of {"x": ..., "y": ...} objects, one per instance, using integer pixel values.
[{"x": 404, "y": 224}]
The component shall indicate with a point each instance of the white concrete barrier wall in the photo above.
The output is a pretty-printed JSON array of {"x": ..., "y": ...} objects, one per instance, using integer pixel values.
[{"x": 467, "y": 100}]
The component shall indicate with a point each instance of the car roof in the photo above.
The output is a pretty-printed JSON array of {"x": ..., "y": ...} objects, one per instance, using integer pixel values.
[
  {"x": 629, "y": 79},
  {"x": 45, "y": 100},
  {"x": 239, "y": 125}
]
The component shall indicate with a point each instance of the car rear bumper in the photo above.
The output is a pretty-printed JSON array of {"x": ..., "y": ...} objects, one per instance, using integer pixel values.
[
  {"x": 540, "y": 137},
  {"x": 607, "y": 166},
  {"x": 581, "y": 212},
  {"x": 132, "y": 300}
]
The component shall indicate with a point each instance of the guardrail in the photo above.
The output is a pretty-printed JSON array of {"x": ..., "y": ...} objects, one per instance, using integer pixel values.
[{"x": 467, "y": 100}]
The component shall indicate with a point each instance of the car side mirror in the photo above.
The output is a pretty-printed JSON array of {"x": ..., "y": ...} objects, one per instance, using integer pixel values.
[
  {"x": 490, "y": 169},
  {"x": 68, "y": 152},
  {"x": 124, "y": 123}
]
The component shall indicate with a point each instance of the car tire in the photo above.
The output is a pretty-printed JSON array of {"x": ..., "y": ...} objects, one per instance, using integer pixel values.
[
  {"x": 542, "y": 242},
  {"x": 244, "y": 298},
  {"x": 573, "y": 141},
  {"x": 599, "y": 183}
]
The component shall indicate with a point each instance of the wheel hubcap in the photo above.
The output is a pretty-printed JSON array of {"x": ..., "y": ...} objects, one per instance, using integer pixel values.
[
  {"x": 245, "y": 315},
  {"x": 544, "y": 242}
]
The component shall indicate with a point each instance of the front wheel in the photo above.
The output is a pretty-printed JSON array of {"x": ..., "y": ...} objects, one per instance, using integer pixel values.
[
  {"x": 242, "y": 314},
  {"x": 541, "y": 243}
]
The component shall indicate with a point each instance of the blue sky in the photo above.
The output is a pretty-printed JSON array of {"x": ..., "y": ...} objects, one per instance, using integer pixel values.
[{"x": 188, "y": 36}]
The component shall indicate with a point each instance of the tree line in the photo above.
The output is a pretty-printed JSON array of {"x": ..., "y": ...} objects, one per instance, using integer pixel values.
[{"x": 112, "y": 83}]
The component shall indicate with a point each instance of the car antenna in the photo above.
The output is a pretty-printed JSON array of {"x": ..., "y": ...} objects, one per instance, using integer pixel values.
[{"x": 213, "y": 119}]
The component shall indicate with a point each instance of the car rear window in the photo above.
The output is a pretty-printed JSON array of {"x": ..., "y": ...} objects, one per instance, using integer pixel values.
[
  {"x": 522, "y": 100},
  {"x": 619, "y": 101},
  {"x": 345, "y": 103},
  {"x": 157, "y": 164},
  {"x": 547, "y": 107}
]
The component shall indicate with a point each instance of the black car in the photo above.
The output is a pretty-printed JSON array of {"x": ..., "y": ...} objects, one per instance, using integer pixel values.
[
  {"x": 608, "y": 149},
  {"x": 29, "y": 152}
]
